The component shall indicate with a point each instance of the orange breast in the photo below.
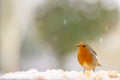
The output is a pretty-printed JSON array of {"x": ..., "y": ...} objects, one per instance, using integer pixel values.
[{"x": 84, "y": 56}]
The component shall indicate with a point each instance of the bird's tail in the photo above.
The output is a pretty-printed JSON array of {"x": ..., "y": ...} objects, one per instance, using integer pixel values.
[{"x": 99, "y": 64}]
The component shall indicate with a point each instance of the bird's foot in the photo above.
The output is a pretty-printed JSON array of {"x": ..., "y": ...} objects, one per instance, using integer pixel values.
[{"x": 88, "y": 74}]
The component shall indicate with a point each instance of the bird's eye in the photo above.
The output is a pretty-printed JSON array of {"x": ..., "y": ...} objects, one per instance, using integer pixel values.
[{"x": 84, "y": 46}]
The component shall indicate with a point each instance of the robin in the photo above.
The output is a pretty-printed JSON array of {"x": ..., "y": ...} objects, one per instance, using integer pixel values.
[{"x": 87, "y": 57}]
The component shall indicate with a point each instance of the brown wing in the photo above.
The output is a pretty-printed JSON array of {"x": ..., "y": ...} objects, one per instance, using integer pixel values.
[
  {"x": 92, "y": 51},
  {"x": 94, "y": 54}
]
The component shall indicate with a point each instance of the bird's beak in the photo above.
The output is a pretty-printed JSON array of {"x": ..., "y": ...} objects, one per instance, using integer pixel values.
[{"x": 77, "y": 46}]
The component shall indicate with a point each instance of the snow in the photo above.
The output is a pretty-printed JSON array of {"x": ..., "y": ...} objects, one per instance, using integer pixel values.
[{"x": 53, "y": 74}]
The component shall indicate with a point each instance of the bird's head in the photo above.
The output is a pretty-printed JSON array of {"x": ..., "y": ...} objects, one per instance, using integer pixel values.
[{"x": 82, "y": 45}]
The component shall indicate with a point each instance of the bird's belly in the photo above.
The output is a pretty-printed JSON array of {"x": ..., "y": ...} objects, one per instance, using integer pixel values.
[
  {"x": 85, "y": 58},
  {"x": 87, "y": 66},
  {"x": 86, "y": 62}
]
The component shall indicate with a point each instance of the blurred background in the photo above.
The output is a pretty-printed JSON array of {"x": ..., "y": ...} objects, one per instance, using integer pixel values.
[{"x": 42, "y": 34}]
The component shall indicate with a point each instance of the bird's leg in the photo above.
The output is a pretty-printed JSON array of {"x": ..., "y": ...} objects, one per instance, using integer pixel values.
[
  {"x": 93, "y": 70},
  {"x": 84, "y": 70},
  {"x": 87, "y": 73}
]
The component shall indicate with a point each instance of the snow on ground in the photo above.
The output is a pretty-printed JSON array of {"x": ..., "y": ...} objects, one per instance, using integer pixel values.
[{"x": 61, "y": 75}]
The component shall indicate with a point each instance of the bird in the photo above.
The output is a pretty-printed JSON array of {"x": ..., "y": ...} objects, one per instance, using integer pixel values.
[{"x": 87, "y": 57}]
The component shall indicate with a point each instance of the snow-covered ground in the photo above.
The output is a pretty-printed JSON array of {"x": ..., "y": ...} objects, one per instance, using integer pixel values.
[{"x": 61, "y": 75}]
